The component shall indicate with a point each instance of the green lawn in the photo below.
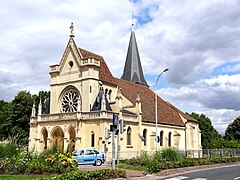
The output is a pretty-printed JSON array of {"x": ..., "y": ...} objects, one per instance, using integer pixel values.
[{"x": 20, "y": 177}]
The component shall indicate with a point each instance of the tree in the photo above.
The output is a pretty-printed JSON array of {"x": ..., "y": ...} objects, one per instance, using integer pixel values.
[
  {"x": 19, "y": 117},
  {"x": 15, "y": 115},
  {"x": 5, "y": 109},
  {"x": 209, "y": 134},
  {"x": 233, "y": 130}
]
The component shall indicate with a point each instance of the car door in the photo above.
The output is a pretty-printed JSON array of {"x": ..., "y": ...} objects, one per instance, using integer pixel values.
[
  {"x": 80, "y": 156},
  {"x": 89, "y": 157}
]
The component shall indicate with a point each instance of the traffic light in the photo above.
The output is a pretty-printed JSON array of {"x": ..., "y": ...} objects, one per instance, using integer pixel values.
[
  {"x": 115, "y": 119},
  {"x": 122, "y": 126},
  {"x": 107, "y": 133}
]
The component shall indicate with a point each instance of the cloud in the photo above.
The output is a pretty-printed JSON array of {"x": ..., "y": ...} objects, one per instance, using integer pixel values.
[
  {"x": 216, "y": 97},
  {"x": 196, "y": 40}
]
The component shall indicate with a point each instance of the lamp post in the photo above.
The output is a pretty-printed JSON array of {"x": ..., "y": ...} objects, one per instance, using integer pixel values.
[{"x": 156, "y": 111}]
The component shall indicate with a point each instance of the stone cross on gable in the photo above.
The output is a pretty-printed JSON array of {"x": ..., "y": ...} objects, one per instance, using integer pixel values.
[{"x": 71, "y": 30}]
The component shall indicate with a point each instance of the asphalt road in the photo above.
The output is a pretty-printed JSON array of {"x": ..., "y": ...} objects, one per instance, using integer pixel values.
[{"x": 225, "y": 172}]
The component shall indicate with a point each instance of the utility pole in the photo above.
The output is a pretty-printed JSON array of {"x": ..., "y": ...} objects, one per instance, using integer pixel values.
[
  {"x": 114, "y": 130},
  {"x": 113, "y": 149},
  {"x": 118, "y": 146}
]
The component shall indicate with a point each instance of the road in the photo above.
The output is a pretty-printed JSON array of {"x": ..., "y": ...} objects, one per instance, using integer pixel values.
[{"x": 226, "y": 172}]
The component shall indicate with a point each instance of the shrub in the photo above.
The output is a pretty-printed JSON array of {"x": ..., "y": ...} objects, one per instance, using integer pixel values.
[
  {"x": 153, "y": 166},
  {"x": 158, "y": 155},
  {"x": 8, "y": 149},
  {"x": 170, "y": 154},
  {"x": 141, "y": 160},
  {"x": 29, "y": 162},
  {"x": 92, "y": 175}
]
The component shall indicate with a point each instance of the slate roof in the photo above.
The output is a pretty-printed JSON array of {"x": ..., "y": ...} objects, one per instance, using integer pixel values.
[
  {"x": 133, "y": 69},
  {"x": 98, "y": 102},
  {"x": 167, "y": 113}
]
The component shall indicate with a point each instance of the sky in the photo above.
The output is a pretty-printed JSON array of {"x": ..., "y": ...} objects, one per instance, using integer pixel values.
[{"x": 199, "y": 41}]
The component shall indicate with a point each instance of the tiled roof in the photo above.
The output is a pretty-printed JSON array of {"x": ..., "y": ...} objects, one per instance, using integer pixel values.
[
  {"x": 187, "y": 117},
  {"x": 166, "y": 113},
  {"x": 105, "y": 74}
]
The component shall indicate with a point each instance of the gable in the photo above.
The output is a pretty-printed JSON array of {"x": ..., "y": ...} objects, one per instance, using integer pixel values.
[{"x": 70, "y": 61}]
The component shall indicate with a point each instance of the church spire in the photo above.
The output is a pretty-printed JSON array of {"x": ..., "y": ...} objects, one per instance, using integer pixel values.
[{"x": 133, "y": 69}]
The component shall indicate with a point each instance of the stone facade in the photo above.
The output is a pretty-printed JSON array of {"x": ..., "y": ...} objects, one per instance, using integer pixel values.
[{"x": 73, "y": 122}]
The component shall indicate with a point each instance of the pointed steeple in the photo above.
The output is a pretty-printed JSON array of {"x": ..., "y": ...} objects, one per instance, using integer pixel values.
[{"x": 133, "y": 69}]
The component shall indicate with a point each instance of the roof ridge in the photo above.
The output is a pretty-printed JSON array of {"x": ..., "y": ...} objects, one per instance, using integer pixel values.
[{"x": 186, "y": 116}]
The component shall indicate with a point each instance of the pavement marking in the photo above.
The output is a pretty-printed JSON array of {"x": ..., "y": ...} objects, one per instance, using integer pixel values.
[
  {"x": 178, "y": 178},
  {"x": 236, "y": 178},
  {"x": 200, "y": 179}
]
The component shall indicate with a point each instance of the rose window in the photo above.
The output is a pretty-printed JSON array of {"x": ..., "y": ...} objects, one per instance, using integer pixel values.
[{"x": 70, "y": 101}]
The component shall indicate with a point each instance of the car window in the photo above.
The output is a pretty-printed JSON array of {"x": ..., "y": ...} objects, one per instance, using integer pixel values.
[
  {"x": 96, "y": 152},
  {"x": 82, "y": 152},
  {"x": 89, "y": 152}
]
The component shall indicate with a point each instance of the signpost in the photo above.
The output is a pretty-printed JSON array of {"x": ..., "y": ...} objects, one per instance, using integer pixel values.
[{"x": 114, "y": 128}]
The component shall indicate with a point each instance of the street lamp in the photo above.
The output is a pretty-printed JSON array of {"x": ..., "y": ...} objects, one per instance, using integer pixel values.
[{"x": 156, "y": 111}]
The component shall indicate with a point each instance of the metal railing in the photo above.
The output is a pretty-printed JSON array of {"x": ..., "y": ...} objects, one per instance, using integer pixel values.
[{"x": 228, "y": 152}]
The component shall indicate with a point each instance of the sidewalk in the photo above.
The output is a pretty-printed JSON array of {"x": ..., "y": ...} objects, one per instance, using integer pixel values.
[{"x": 131, "y": 174}]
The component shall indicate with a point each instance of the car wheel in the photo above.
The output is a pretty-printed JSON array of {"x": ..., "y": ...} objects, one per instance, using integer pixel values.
[{"x": 98, "y": 162}]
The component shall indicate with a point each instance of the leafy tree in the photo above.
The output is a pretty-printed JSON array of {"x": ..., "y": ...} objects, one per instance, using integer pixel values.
[
  {"x": 19, "y": 118},
  {"x": 5, "y": 109},
  {"x": 209, "y": 134},
  {"x": 233, "y": 130},
  {"x": 15, "y": 115}
]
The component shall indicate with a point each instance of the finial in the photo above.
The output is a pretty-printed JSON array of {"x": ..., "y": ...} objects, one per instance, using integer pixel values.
[
  {"x": 138, "y": 98},
  {"x": 79, "y": 104},
  {"x": 132, "y": 22},
  {"x": 72, "y": 30},
  {"x": 33, "y": 110},
  {"x": 103, "y": 105},
  {"x": 40, "y": 107},
  {"x": 119, "y": 93}
]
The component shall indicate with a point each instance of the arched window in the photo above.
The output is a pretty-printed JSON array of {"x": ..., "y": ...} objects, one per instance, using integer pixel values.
[
  {"x": 129, "y": 135},
  {"x": 161, "y": 138},
  {"x": 92, "y": 139},
  {"x": 169, "y": 139},
  {"x": 145, "y": 137}
]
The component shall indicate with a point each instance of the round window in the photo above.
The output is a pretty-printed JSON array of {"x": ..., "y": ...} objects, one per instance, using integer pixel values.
[
  {"x": 70, "y": 63},
  {"x": 70, "y": 101}
]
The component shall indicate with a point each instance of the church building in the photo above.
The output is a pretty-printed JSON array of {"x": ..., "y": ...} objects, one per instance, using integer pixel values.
[{"x": 84, "y": 96}]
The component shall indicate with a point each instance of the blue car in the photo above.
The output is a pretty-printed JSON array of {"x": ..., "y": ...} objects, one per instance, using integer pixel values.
[{"x": 88, "y": 156}]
